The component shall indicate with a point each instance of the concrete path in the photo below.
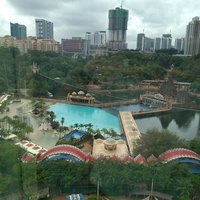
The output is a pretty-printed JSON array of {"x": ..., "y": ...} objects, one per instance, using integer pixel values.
[{"x": 39, "y": 136}]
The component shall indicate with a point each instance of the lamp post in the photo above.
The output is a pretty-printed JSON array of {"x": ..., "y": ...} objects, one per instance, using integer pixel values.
[{"x": 98, "y": 190}]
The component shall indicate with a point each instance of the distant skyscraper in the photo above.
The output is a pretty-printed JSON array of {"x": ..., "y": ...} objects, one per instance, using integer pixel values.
[
  {"x": 44, "y": 29},
  {"x": 166, "y": 42},
  {"x": 192, "y": 38},
  {"x": 148, "y": 44},
  {"x": 179, "y": 44},
  {"x": 157, "y": 43},
  {"x": 97, "y": 38},
  {"x": 140, "y": 41},
  {"x": 18, "y": 31},
  {"x": 117, "y": 27}
]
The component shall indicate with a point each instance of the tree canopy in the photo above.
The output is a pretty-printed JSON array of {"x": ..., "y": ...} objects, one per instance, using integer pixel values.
[
  {"x": 156, "y": 142},
  {"x": 120, "y": 70}
]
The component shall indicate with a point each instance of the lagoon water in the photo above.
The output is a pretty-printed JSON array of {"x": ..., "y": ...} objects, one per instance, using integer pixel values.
[
  {"x": 84, "y": 115},
  {"x": 185, "y": 124}
]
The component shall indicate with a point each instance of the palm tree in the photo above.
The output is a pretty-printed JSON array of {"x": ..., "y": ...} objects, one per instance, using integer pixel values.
[
  {"x": 81, "y": 126},
  {"x": 105, "y": 131},
  {"x": 76, "y": 125},
  {"x": 113, "y": 133},
  {"x": 89, "y": 127},
  {"x": 62, "y": 121},
  {"x": 52, "y": 116}
]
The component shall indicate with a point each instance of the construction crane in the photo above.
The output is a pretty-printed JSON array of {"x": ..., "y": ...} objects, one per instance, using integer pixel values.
[{"x": 121, "y": 3}]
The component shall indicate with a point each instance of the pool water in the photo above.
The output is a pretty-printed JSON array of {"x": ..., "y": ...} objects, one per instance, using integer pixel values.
[
  {"x": 76, "y": 134},
  {"x": 76, "y": 114}
]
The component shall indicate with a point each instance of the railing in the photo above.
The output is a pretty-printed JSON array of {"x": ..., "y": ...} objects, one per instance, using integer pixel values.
[{"x": 151, "y": 112}]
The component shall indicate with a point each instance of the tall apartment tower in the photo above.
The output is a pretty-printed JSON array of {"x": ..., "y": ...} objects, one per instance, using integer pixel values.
[
  {"x": 157, "y": 43},
  {"x": 166, "y": 42},
  {"x": 18, "y": 31},
  {"x": 44, "y": 29},
  {"x": 179, "y": 44},
  {"x": 140, "y": 41},
  {"x": 117, "y": 27},
  {"x": 192, "y": 38}
]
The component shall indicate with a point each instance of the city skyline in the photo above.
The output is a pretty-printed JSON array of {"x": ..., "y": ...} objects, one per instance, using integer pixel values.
[{"x": 75, "y": 18}]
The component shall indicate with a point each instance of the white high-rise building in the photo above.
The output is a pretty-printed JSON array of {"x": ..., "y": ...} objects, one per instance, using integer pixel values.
[
  {"x": 44, "y": 29},
  {"x": 98, "y": 38},
  {"x": 192, "y": 38},
  {"x": 166, "y": 42},
  {"x": 179, "y": 44},
  {"x": 157, "y": 43}
]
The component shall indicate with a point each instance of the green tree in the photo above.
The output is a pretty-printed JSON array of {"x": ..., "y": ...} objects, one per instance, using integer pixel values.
[
  {"x": 62, "y": 120},
  {"x": 195, "y": 145},
  {"x": 156, "y": 142}
]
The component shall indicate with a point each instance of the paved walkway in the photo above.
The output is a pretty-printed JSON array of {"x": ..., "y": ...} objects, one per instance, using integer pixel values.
[{"x": 39, "y": 136}]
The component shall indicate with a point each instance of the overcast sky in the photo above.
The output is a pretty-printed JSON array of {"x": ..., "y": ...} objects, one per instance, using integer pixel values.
[{"x": 75, "y": 17}]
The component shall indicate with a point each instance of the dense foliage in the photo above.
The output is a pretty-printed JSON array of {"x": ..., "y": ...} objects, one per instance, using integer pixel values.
[
  {"x": 119, "y": 70},
  {"x": 113, "y": 177},
  {"x": 155, "y": 142}
]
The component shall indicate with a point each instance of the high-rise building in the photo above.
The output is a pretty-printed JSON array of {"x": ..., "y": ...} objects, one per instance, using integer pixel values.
[
  {"x": 192, "y": 38},
  {"x": 18, "y": 31},
  {"x": 97, "y": 39},
  {"x": 44, "y": 29},
  {"x": 96, "y": 43},
  {"x": 140, "y": 41},
  {"x": 117, "y": 27},
  {"x": 148, "y": 44},
  {"x": 179, "y": 44},
  {"x": 157, "y": 43},
  {"x": 166, "y": 42}
]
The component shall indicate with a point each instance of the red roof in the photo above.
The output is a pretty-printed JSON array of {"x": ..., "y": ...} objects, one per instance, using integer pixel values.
[
  {"x": 64, "y": 149},
  {"x": 139, "y": 159},
  {"x": 114, "y": 157},
  {"x": 152, "y": 158},
  {"x": 178, "y": 153},
  {"x": 128, "y": 159},
  {"x": 29, "y": 145},
  {"x": 90, "y": 158},
  {"x": 27, "y": 157}
]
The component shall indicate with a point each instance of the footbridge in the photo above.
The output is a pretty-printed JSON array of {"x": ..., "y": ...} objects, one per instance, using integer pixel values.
[{"x": 146, "y": 113}]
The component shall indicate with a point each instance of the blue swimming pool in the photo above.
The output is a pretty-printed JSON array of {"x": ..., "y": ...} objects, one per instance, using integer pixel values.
[
  {"x": 76, "y": 134},
  {"x": 84, "y": 115}
]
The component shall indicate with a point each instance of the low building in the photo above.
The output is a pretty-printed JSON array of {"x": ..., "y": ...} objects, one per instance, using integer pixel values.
[
  {"x": 30, "y": 43},
  {"x": 80, "y": 97},
  {"x": 74, "y": 47}
]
